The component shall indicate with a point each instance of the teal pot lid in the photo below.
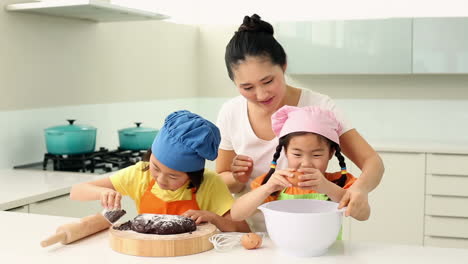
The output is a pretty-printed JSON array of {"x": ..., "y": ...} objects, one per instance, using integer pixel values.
[
  {"x": 137, "y": 129},
  {"x": 70, "y": 127}
]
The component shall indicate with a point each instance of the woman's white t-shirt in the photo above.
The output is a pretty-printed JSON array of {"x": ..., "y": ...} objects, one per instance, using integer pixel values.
[{"x": 238, "y": 135}]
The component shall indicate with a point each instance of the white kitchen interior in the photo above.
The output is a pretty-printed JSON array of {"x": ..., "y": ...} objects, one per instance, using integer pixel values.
[{"x": 402, "y": 82}]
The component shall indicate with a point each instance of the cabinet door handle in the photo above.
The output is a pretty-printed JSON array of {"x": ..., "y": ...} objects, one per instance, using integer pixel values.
[{"x": 15, "y": 208}]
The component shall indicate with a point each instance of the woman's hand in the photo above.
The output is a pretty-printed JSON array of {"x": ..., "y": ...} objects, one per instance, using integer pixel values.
[
  {"x": 357, "y": 202},
  {"x": 313, "y": 179},
  {"x": 110, "y": 199},
  {"x": 241, "y": 168},
  {"x": 200, "y": 216},
  {"x": 278, "y": 180}
]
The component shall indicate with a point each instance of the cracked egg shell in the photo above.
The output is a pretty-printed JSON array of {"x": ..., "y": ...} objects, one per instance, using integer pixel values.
[{"x": 295, "y": 179}]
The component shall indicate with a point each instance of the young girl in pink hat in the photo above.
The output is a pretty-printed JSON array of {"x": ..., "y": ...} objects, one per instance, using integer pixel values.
[{"x": 310, "y": 137}]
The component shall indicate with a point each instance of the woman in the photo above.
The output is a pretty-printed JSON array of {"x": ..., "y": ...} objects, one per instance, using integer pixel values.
[{"x": 256, "y": 63}]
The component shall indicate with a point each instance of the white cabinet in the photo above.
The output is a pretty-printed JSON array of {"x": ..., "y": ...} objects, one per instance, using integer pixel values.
[
  {"x": 446, "y": 223},
  {"x": 64, "y": 206},
  {"x": 440, "y": 45},
  {"x": 397, "y": 204},
  {"x": 421, "y": 200},
  {"x": 347, "y": 47}
]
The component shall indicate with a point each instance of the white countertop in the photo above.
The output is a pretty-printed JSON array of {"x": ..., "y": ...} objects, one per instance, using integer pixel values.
[
  {"x": 22, "y": 233},
  {"x": 20, "y": 187}
]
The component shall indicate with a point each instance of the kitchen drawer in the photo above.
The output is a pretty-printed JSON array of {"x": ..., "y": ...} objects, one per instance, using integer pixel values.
[
  {"x": 447, "y": 164},
  {"x": 445, "y": 242},
  {"x": 456, "y": 227},
  {"x": 451, "y": 185},
  {"x": 446, "y": 206}
]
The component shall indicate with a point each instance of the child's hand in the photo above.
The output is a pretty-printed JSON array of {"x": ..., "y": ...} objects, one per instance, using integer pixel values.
[
  {"x": 110, "y": 199},
  {"x": 278, "y": 180},
  {"x": 313, "y": 179},
  {"x": 200, "y": 216}
]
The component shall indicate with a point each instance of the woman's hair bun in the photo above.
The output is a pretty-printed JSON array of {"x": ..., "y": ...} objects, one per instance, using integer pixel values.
[{"x": 255, "y": 24}]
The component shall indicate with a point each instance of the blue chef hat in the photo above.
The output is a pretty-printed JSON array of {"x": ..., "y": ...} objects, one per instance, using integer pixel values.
[{"x": 185, "y": 141}]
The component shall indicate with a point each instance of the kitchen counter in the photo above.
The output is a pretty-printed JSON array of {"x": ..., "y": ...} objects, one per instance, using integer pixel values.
[
  {"x": 22, "y": 233},
  {"x": 20, "y": 187}
]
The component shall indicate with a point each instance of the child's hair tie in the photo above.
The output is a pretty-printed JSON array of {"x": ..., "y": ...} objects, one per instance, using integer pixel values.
[
  {"x": 273, "y": 165},
  {"x": 343, "y": 170}
]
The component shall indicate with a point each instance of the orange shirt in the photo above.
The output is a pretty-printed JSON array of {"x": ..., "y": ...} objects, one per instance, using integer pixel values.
[{"x": 350, "y": 179}]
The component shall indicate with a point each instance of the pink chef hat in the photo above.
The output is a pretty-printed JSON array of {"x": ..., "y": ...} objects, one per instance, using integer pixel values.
[{"x": 289, "y": 119}]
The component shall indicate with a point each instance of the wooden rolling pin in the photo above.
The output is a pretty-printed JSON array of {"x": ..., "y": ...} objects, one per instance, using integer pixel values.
[{"x": 87, "y": 226}]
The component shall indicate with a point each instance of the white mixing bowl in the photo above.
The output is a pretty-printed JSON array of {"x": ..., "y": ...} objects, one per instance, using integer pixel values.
[{"x": 302, "y": 227}]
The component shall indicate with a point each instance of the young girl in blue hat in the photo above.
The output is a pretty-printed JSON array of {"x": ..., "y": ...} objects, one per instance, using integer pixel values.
[{"x": 173, "y": 180}]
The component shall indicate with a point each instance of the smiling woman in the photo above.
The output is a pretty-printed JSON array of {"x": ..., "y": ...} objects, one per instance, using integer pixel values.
[{"x": 256, "y": 63}]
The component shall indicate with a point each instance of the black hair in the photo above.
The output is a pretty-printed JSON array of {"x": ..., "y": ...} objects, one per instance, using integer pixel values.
[
  {"x": 253, "y": 38},
  {"x": 195, "y": 177},
  {"x": 284, "y": 142}
]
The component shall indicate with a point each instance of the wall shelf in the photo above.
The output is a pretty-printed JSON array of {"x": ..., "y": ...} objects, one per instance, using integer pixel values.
[{"x": 94, "y": 10}]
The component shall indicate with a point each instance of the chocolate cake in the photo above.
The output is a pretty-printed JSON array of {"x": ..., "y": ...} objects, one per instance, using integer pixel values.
[
  {"x": 159, "y": 224},
  {"x": 114, "y": 215}
]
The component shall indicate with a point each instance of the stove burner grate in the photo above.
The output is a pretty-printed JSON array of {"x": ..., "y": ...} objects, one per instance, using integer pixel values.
[{"x": 102, "y": 159}]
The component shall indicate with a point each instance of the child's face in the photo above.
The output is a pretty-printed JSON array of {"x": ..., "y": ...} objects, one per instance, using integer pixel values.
[
  {"x": 260, "y": 82},
  {"x": 308, "y": 151},
  {"x": 167, "y": 178}
]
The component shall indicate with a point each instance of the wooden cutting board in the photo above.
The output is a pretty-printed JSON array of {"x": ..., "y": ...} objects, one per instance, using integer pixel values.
[{"x": 148, "y": 245}]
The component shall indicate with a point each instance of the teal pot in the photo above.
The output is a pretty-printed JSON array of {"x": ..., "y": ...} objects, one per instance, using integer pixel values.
[
  {"x": 70, "y": 139},
  {"x": 137, "y": 138}
]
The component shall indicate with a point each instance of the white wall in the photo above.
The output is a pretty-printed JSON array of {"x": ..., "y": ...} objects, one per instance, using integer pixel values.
[
  {"x": 48, "y": 61},
  {"x": 378, "y": 120},
  {"x": 214, "y": 79},
  {"x": 387, "y": 120}
]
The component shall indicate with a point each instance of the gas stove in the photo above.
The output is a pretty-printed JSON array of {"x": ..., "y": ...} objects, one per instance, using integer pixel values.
[{"x": 100, "y": 161}]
